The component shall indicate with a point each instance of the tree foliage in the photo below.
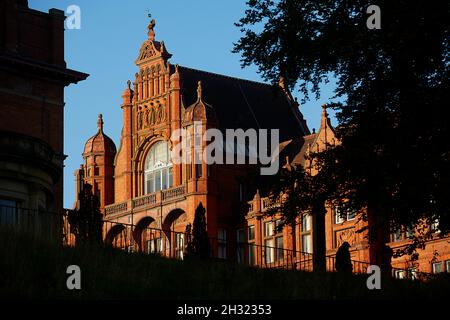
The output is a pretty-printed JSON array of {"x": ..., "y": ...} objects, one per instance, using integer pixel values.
[
  {"x": 86, "y": 220},
  {"x": 198, "y": 246},
  {"x": 394, "y": 156}
]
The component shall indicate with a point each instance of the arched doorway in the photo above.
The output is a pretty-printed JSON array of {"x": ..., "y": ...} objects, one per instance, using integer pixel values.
[
  {"x": 119, "y": 236},
  {"x": 174, "y": 226},
  {"x": 149, "y": 239}
]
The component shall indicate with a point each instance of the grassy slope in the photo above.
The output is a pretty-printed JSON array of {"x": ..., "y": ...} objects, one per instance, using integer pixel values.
[{"x": 36, "y": 269}]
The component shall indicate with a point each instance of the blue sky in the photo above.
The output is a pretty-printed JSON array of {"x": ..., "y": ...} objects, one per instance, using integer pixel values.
[{"x": 199, "y": 34}]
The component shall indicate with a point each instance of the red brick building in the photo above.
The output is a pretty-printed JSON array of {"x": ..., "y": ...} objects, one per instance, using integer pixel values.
[
  {"x": 33, "y": 75},
  {"x": 148, "y": 200},
  {"x": 137, "y": 182}
]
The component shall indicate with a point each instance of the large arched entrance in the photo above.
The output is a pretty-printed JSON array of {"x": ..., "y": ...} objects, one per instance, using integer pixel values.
[
  {"x": 149, "y": 238},
  {"x": 174, "y": 226},
  {"x": 119, "y": 236}
]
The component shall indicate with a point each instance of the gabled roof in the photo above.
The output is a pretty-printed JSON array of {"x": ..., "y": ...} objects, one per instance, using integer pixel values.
[{"x": 242, "y": 103}]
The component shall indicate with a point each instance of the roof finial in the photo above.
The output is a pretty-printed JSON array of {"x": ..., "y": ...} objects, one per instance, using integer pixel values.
[
  {"x": 129, "y": 84},
  {"x": 282, "y": 82},
  {"x": 324, "y": 110},
  {"x": 151, "y": 31},
  {"x": 282, "y": 79},
  {"x": 324, "y": 119},
  {"x": 100, "y": 122},
  {"x": 199, "y": 91}
]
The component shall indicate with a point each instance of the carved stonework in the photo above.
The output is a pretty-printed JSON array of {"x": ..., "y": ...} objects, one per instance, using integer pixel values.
[
  {"x": 346, "y": 235},
  {"x": 147, "y": 51},
  {"x": 150, "y": 115},
  {"x": 160, "y": 114}
]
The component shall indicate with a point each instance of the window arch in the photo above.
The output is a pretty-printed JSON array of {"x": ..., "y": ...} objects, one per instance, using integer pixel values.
[{"x": 158, "y": 171}]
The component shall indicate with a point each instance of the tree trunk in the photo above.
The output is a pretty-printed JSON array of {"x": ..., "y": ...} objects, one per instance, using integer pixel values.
[
  {"x": 319, "y": 246},
  {"x": 380, "y": 254}
]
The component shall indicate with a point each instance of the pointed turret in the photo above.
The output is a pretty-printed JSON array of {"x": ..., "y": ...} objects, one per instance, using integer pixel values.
[{"x": 99, "y": 152}]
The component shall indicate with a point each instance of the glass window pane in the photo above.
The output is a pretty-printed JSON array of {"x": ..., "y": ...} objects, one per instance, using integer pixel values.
[
  {"x": 164, "y": 175},
  {"x": 306, "y": 223},
  {"x": 179, "y": 245},
  {"x": 268, "y": 229},
  {"x": 338, "y": 214},
  {"x": 269, "y": 250},
  {"x": 412, "y": 273},
  {"x": 306, "y": 243},
  {"x": 170, "y": 177},
  {"x": 351, "y": 215},
  {"x": 279, "y": 246},
  {"x": 158, "y": 164},
  {"x": 410, "y": 231},
  {"x": 251, "y": 233},
  {"x": 222, "y": 243},
  {"x": 437, "y": 267},
  {"x": 158, "y": 245},
  {"x": 157, "y": 180},
  {"x": 278, "y": 228},
  {"x": 8, "y": 212},
  {"x": 198, "y": 170},
  {"x": 396, "y": 235},
  {"x": 150, "y": 184},
  {"x": 222, "y": 234}
]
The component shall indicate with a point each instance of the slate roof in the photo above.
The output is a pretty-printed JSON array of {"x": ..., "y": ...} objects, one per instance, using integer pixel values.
[{"x": 242, "y": 103}]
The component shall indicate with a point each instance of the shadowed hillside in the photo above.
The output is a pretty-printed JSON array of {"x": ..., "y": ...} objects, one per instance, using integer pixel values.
[{"x": 32, "y": 268}]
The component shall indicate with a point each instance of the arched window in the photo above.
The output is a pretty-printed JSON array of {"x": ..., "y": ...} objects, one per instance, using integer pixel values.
[{"x": 158, "y": 168}]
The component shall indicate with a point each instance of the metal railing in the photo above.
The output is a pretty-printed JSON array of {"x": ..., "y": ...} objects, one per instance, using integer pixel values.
[
  {"x": 171, "y": 244},
  {"x": 358, "y": 267},
  {"x": 36, "y": 222}
]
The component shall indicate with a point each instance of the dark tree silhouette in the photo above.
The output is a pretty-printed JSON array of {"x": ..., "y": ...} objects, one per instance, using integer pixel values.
[
  {"x": 199, "y": 246},
  {"x": 189, "y": 249},
  {"x": 343, "y": 261},
  {"x": 394, "y": 159},
  {"x": 86, "y": 220}
]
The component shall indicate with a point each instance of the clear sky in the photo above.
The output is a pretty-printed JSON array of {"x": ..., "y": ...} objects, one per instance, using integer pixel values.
[{"x": 199, "y": 34}]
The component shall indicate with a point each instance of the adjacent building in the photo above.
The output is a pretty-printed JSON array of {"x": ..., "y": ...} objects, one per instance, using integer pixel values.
[{"x": 33, "y": 75}]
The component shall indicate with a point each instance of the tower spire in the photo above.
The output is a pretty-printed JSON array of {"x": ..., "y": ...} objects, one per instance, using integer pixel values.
[
  {"x": 100, "y": 122},
  {"x": 324, "y": 121},
  {"x": 199, "y": 91}
]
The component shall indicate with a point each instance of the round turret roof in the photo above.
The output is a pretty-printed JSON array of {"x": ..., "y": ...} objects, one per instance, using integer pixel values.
[{"x": 100, "y": 142}]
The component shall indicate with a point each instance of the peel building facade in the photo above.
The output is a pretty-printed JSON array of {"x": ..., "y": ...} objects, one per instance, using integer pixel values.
[
  {"x": 139, "y": 184},
  {"x": 147, "y": 198}
]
